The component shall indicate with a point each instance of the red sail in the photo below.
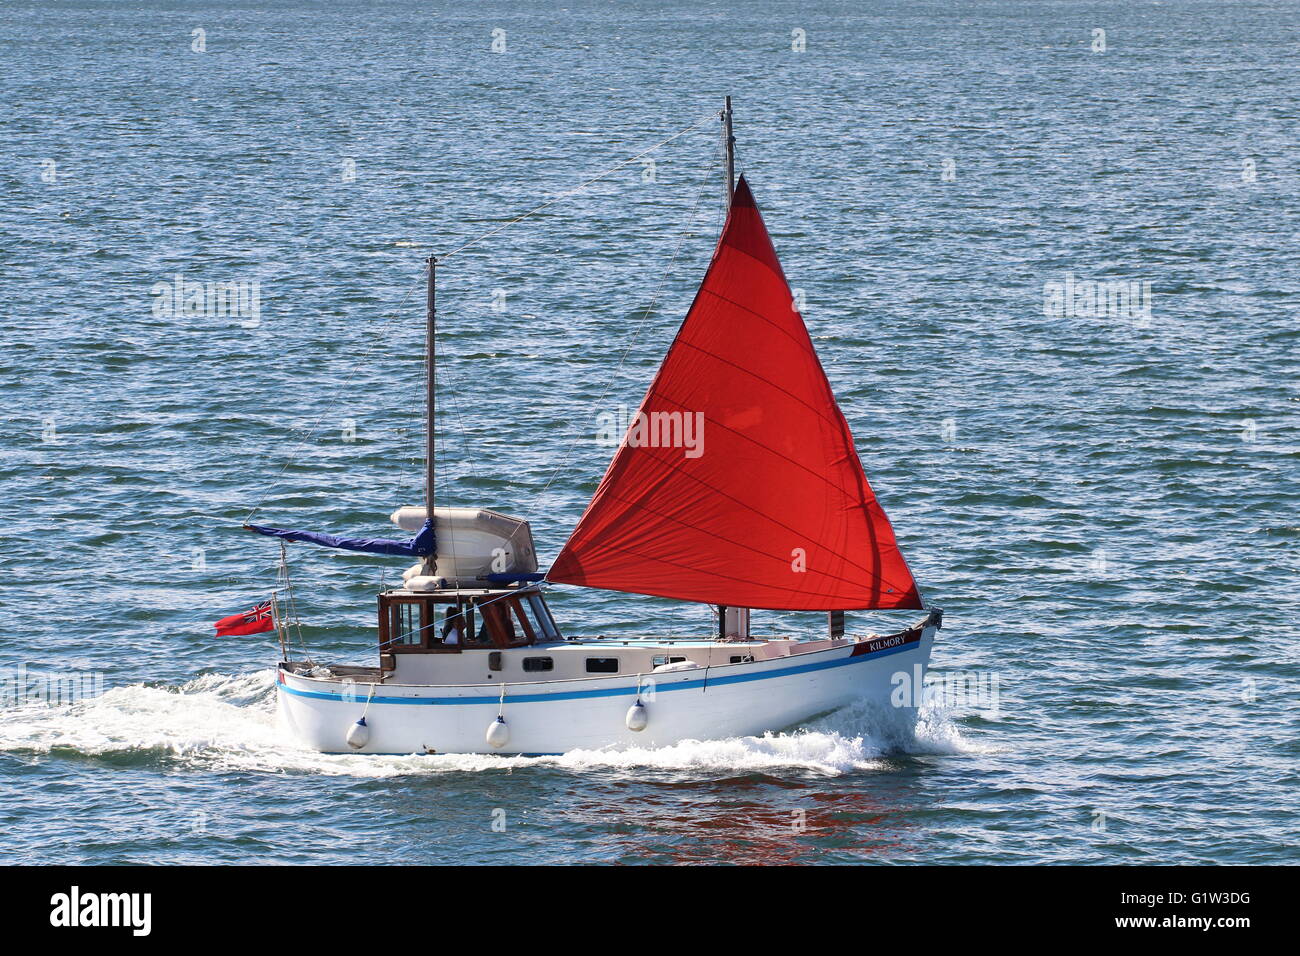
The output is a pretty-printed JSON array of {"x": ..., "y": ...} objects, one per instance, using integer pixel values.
[{"x": 737, "y": 482}]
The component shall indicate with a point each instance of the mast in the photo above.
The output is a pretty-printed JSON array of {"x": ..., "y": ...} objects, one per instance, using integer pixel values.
[
  {"x": 729, "y": 142},
  {"x": 650, "y": 529},
  {"x": 733, "y": 622},
  {"x": 430, "y": 367}
]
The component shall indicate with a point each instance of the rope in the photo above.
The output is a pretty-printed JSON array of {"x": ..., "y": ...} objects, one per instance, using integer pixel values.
[
  {"x": 291, "y": 605},
  {"x": 577, "y": 189},
  {"x": 328, "y": 409}
]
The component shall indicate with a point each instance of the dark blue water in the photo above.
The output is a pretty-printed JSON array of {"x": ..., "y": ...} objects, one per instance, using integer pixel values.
[{"x": 1104, "y": 501}]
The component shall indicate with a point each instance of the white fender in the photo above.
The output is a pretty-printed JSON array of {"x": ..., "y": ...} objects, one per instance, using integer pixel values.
[
  {"x": 637, "y": 718},
  {"x": 358, "y": 734},
  {"x": 498, "y": 734}
]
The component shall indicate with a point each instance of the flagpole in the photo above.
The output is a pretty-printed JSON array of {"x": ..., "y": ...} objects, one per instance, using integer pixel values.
[
  {"x": 430, "y": 368},
  {"x": 275, "y": 619}
]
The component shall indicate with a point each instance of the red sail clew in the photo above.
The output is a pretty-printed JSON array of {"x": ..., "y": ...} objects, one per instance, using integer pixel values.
[
  {"x": 255, "y": 621},
  {"x": 737, "y": 482}
]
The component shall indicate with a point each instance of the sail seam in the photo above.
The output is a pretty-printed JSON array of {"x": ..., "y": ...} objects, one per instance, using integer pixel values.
[
  {"x": 636, "y": 505},
  {"x": 767, "y": 381},
  {"x": 775, "y": 587}
]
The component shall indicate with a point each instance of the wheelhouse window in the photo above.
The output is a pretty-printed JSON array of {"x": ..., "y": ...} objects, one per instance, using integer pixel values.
[
  {"x": 492, "y": 631},
  {"x": 424, "y": 624},
  {"x": 504, "y": 623},
  {"x": 521, "y": 628},
  {"x": 542, "y": 615},
  {"x": 451, "y": 623},
  {"x": 456, "y": 624},
  {"x": 406, "y": 624}
]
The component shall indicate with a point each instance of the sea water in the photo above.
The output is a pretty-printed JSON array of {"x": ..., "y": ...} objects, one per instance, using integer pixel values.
[{"x": 211, "y": 241}]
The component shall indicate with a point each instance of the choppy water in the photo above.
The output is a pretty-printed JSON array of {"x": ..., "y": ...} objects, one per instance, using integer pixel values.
[{"x": 1106, "y": 506}]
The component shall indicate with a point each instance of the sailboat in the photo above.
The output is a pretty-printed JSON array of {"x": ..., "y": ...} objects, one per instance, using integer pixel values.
[{"x": 737, "y": 484}]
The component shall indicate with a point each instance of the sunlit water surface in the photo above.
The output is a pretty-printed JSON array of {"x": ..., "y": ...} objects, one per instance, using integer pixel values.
[{"x": 1106, "y": 507}]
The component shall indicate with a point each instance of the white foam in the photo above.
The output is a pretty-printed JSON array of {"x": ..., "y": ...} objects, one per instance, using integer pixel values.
[
  {"x": 227, "y": 723},
  {"x": 830, "y": 754}
]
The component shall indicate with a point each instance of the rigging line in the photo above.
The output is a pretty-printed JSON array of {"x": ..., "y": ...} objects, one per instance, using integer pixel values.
[
  {"x": 402, "y": 305},
  {"x": 451, "y": 389},
  {"x": 636, "y": 332},
  {"x": 338, "y": 397},
  {"x": 278, "y": 619},
  {"x": 442, "y": 443},
  {"x": 291, "y": 604},
  {"x": 572, "y": 192},
  {"x": 452, "y": 381}
]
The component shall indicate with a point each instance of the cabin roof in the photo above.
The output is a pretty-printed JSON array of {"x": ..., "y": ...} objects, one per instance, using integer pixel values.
[{"x": 460, "y": 592}]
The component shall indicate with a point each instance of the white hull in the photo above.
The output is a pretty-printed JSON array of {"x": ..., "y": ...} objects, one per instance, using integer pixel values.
[{"x": 552, "y": 717}]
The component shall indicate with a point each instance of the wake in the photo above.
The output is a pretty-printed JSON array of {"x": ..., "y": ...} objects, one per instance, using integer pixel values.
[{"x": 222, "y": 723}]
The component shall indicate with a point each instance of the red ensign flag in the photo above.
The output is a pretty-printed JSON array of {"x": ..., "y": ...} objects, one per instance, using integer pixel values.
[{"x": 256, "y": 621}]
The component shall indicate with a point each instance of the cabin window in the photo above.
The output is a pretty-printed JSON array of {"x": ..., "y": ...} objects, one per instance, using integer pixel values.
[
  {"x": 542, "y": 615},
  {"x": 455, "y": 625},
  {"x": 424, "y": 625},
  {"x": 504, "y": 623},
  {"x": 534, "y": 664},
  {"x": 742, "y": 658},
  {"x": 407, "y": 624},
  {"x": 521, "y": 629},
  {"x": 602, "y": 665},
  {"x": 661, "y": 660},
  {"x": 495, "y": 629},
  {"x": 483, "y": 636}
]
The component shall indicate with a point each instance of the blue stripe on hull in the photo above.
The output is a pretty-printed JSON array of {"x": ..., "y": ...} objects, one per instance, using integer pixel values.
[{"x": 610, "y": 691}]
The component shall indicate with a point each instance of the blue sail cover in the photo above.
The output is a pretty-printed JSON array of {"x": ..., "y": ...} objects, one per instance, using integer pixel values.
[{"x": 420, "y": 546}]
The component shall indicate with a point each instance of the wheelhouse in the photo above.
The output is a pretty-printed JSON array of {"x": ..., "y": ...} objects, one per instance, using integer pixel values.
[{"x": 453, "y": 621}]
